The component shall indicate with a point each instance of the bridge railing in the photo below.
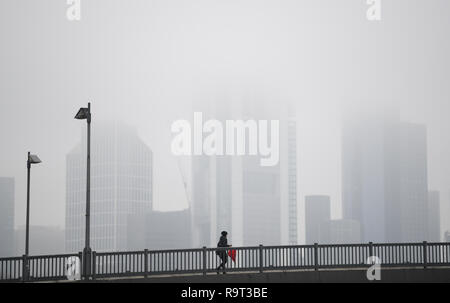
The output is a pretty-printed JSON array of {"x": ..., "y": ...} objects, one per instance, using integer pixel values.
[
  {"x": 11, "y": 269},
  {"x": 347, "y": 255},
  {"x": 49, "y": 267},
  {"x": 206, "y": 260},
  {"x": 35, "y": 268},
  {"x": 143, "y": 263},
  {"x": 437, "y": 254}
]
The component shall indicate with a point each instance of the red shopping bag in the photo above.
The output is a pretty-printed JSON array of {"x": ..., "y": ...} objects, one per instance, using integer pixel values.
[{"x": 232, "y": 254}]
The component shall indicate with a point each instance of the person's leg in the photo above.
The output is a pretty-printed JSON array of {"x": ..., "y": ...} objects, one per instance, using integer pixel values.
[
  {"x": 220, "y": 265},
  {"x": 225, "y": 260},
  {"x": 221, "y": 261}
]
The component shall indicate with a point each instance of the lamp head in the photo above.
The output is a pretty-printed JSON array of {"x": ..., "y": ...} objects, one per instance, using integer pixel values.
[
  {"x": 84, "y": 113},
  {"x": 33, "y": 159}
]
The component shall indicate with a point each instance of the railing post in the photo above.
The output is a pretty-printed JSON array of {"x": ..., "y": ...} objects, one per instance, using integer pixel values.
[
  {"x": 146, "y": 263},
  {"x": 261, "y": 265},
  {"x": 25, "y": 270},
  {"x": 370, "y": 249},
  {"x": 316, "y": 256},
  {"x": 204, "y": 260},
  {"x": 94, "y": 254},
  {"x": 87, "y": 258},
  {"x": 425, "y": 256}
]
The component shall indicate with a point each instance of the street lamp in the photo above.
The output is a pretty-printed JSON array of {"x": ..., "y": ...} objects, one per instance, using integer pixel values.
[
  {"x": 85, "y": 113},
  {"x": 31, "y": 159}
]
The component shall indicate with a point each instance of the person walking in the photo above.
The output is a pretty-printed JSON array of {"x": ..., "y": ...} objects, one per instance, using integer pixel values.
[{"x": 222, "y": 253}]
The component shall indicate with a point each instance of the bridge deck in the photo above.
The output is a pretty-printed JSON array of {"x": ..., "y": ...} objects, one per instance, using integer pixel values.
[{"x": 356, "y": 275}]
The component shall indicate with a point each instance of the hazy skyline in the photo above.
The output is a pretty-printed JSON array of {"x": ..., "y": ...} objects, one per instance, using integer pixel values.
[{"x": 146, "y": 62}]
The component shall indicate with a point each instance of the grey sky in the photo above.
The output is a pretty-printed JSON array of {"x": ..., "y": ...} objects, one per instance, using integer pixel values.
[{"x": 147, "y": 61}]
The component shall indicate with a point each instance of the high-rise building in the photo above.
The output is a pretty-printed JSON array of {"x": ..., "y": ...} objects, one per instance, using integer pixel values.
[
  {"x": 340, "y": 232},
  {"x": 261, "y": 204},
  {"x": 363, "y": 177},
  {"x": 211, "y": 185},
  {"x": 236, "y": 193},
  {"x": 317, "y": 211},
  {"x": 434, "y": 220},
  {"x": 384, "y": 178},
  {"x": 266, "y": 199},
  {"x": 223, "y": 185},
  {"x": 6, "y": 217},
  {"x": 157, "y": 230},
  {"x": 121, "y": 185},
  {"x": 202, "y": 180},
  {"x": 413, "y": 183}
]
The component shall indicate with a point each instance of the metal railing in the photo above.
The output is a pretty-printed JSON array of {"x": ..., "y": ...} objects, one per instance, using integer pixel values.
[
  {"x": 35, "y": 268},
  {"x": 206, "y": 260}
]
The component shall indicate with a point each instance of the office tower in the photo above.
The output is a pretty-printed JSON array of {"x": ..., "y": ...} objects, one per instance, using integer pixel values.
[
  {"x": 413, "y": 183},
  {"x": 6, "y": 217},
  {"x": 265, "y": 188},
  {"x": 340, "y": 232},
  {"x": 270, "y": 192},
  {"x": 384, "y": 178},
  {"x": 317, "y": 211},
  {"x": 44, "y": 240},
  {"x": 223, "y": 205},
  {"x": 434, "y": 216},
  {"x": 157, "y": 230},
  {"x": 237, "y": 194},
  {"x": 201, "y": 203},
  {"x": 121, "y": 185},
  {"x": 261, "y": 204},
  {"x": 211, "y": 185},
  {"x": 363, "y": 177}
]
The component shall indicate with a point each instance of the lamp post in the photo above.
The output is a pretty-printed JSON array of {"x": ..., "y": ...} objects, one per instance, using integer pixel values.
[
  {"x": 85, "y": 113},
  {"x": 31, "y": 159}
]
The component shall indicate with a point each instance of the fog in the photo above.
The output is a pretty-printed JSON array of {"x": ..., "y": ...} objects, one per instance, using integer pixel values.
[{"x": 148, "y": 62}]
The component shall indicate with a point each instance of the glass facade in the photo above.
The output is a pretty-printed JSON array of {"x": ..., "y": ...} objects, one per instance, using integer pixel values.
[{"x": 121, "y": 185}]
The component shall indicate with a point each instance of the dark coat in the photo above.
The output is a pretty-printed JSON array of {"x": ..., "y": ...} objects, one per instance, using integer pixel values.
[{"x": 223, "y": 242}]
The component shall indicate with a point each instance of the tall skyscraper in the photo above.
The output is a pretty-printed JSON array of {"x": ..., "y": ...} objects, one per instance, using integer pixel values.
[
  {"x": 203, "y": 177},
  {"x": 6, "y": 217},
  {"x": 223, "y": 184},
  {"x": 434, "y": 216},
  {"x": 413, "y": 183},
  {"x": 363, "y": 177},
  {"x": 211, "y": 185},
  {"x": 237, "y": 194},
  {"x": 265, "y": 189},
  {"x": 384, "y": 178},
  {"x": 317, "y": 211},
  {"x": 121, "y": 185},
  {"x": 261, "y": 204}
]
